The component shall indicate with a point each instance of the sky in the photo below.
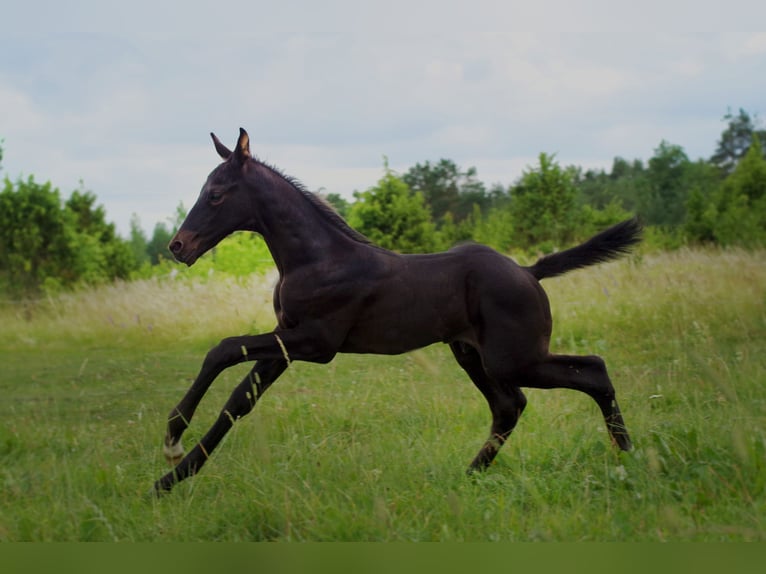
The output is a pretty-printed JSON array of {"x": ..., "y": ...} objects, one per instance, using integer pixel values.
[{"x": 120, "y": 98}]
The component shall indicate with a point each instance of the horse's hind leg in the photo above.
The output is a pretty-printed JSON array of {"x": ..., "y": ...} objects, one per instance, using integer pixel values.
[
  {"x": 505, "y": 402},
  {"x": 586, "y": 374}
]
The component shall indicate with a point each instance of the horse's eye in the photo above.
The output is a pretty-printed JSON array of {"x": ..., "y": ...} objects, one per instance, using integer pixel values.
[{"x": 215, "y": 196}]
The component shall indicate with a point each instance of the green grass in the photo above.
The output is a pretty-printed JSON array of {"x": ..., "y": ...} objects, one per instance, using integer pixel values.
[{"x": 374, "y": 448}]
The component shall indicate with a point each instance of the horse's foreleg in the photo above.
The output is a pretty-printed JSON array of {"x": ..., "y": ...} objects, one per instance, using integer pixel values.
[
  {"x": 283, "y": 346},
  {"x": 181, "y": 415},
  {"x": 240, "y": 403}
]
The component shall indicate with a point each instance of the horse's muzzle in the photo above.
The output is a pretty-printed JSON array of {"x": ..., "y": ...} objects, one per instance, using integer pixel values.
[{"x": 184, "y": 250}]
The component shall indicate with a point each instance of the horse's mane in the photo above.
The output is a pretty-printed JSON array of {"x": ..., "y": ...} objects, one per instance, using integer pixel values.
[{"x": 323, "y": 207}]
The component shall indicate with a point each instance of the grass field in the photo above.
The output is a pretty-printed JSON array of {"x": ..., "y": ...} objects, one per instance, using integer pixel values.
[{"x": 374, "y": 448}]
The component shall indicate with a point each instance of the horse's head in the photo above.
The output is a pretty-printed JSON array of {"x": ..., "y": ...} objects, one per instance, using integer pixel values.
[{"x": 223, "y": 205}]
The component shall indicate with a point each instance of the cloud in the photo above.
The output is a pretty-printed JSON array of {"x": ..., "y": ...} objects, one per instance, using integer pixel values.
[
  {"x": 124, "y": 100},
  {"x": 753, "y": 45},
  {"x": 24, "y": 114}
]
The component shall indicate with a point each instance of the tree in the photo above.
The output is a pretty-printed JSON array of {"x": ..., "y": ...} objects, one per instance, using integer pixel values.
[
  {"x": 495, "y": 228},
  {"x": 624, "y": 185},
  {"x": 109, "y": 256},
  {"x": 498, "y": 196},
  {"x": 737, "y": 214},
  {"x": 394, "y": 217},
  {"x": 735, "y": 140},
  {"x": 593, "y": 188},
  {"x": 46, "y": 244},
  {"x": 663, "y": 201},
  {"x": 749, "y": 177},
  {"x": 157, "y": 248},
  {"x": 543, "y": 205},
  {"x": 138, "y": 242},
  {"x": 447, "y": 189},
  {"x": 338, "y": 202},
  {"x": 36, "y": 237},
  {"x": 700, "y": 221},
  {"x": 702, "y": 182}
]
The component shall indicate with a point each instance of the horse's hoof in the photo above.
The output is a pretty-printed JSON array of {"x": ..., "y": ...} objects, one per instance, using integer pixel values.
[
  {"x": 174, "y": 453},
  {"x": 621, "y": 440},
  {"x": 159, "y": 490}
]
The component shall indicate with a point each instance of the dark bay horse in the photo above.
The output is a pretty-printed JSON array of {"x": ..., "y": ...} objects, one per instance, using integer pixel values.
[{"x": 338, "y": 293}]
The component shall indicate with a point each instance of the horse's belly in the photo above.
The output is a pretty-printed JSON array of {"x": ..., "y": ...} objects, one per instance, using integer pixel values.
[
  {"x": 382, "y": 343},
  {"x": 400, "y": 333}
]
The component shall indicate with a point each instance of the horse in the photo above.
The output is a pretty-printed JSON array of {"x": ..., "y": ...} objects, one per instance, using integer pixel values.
[{"x": 337, "y": 292}]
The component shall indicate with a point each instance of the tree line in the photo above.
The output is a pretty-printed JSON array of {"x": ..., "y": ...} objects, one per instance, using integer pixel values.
[
  {"x": 719, "y": 200},
  {"x": 48, "y": 243}
]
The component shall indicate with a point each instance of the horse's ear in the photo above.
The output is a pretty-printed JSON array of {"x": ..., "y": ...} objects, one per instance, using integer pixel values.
[
  {"x": 222, "y": 150},
  {"x": 242, "y": 152}
]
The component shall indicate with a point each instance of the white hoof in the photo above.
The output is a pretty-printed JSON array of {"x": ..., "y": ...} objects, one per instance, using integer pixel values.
[{"x": 173, "y": 453}]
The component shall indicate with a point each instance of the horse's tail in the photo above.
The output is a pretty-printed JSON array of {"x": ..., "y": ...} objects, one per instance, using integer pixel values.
[{"x": 609, "y": 244}]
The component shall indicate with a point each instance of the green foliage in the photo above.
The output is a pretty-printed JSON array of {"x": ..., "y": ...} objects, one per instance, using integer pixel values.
[
  {"x": 104, "y": 255},
  {"x": 663, "y": 200},
  {"x": 672, "y": 193},
  {"x": 239, "y": 255},
  {"x": 684, "y": 201},
  {"x": 735, "y": 140},
  {"x": 447, "y": 189},
  {"x": 394, "y": 217},
  {"x": 338, "y": 203},
  {"x": 626, "y": 184},
  {"x": 451, "y": 233},
  {"x": 37, "y": 237},
  {"x": 593, "y": 220},
  {"x": 50, "y": 245},
  {"x": 138, "y": 242},
  {"x": 736, "y": 214},
  {"x": 157, "y": 247},
  {"x": 47, "y": 245},
  {"x": 496, "y": 229},
  {"x": 543, "y": 205}
]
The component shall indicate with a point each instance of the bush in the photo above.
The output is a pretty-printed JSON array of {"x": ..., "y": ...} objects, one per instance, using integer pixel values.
[
  {"x": 49, "y": 245},
  {"x": 394, "y": 217},
  {"x": 239, "y": 255}
]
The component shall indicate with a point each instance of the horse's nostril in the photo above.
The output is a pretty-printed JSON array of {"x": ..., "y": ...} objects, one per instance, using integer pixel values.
[{"x": 176, "y": 246}]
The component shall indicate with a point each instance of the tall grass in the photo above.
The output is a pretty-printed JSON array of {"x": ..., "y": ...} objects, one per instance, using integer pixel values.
[
  {"x": 159, "y": 310},
  {"x": 374, "y": 448}
]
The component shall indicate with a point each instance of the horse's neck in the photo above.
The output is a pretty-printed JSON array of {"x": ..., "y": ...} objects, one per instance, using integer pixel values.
[{"x": 295, "y": 230}]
